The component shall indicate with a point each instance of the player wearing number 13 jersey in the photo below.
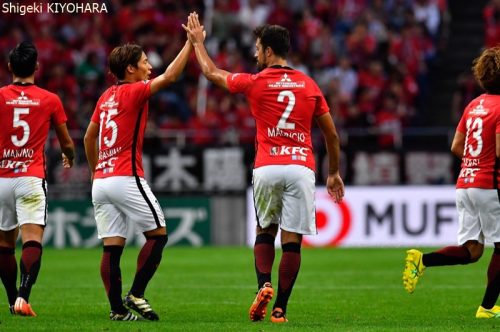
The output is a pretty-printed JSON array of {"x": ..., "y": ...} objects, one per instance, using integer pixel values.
[
  {"x": 120, "y": 194},
  {"x": 477, "y": 143},
  {"x": 26, "y": 114},
  {"x": 284, "y": 103}
]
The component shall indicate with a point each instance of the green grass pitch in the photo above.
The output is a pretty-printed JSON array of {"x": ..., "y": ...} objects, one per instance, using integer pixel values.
[{"x": 210, "y": 289}]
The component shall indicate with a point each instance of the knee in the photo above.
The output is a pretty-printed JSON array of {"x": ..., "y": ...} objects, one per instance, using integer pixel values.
[{"x": 475, "y": 250}]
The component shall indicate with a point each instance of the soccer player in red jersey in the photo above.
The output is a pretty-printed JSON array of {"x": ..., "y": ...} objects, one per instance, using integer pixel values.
[
  {"x": 477, "y": 143},
  {"x": 120, "y": 194},
  {"x": 284, "y": 103},
  {"x": 26, "y": 114}
]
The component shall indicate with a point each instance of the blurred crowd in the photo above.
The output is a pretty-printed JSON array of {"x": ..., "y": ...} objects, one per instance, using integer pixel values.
[{"x": 371, "y": 58}]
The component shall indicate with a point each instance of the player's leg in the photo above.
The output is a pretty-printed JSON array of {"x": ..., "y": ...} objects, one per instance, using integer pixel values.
[
  {"x": 8, "y": 264},
  {"x": 147, "y": 263},
  {"x": 112, "y": 278},
  {"x": 491, "y": 231},
  {"x": 298, "y": 218},
  {"x": 31, "y": 209},
  {"x": 288, "y": 271},
  {"x": 143, "y": 209},
  {"x": 112, "y": 229},
  {"x": 267, "y": 192},
  {"x": 488, "y": 309},
  {"x": 31, "y": 261},
  {"x": 469, "y": 235}
]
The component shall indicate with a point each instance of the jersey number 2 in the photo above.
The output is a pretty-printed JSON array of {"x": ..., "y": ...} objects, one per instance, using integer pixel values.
[{"x": 282, "y": 123}]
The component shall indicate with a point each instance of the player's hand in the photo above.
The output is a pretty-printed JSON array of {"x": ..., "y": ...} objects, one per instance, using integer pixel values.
[
  {"x": 67, "y": 163},
  {"x": 195, "y": 31},
  {"x": 335, "y": 187}
]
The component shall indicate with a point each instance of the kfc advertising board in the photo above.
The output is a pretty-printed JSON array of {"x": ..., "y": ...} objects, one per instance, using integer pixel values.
[{"x": 380, "y": 216}]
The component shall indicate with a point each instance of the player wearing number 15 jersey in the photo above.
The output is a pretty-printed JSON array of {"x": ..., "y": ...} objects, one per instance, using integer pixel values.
[
  {"x": 26, "y": 114},
  {"x": 284, "y": 103},
  {"x": 477, "y": 143},
  {"x": 120, "y": 194}
]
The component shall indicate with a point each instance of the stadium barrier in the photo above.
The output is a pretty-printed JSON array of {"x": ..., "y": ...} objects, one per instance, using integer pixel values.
[{"x": 380, "y": 216}]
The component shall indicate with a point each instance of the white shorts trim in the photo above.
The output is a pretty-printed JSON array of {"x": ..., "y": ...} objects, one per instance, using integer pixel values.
[
  {"x": 478, "y": 215},
  {"x": 23, "y": 200},
  {"x": 119, "y": 200},
  {"x": 284, "y": 195}
]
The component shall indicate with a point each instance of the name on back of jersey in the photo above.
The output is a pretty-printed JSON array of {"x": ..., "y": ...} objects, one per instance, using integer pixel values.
[{"x": 17, "y": 166}]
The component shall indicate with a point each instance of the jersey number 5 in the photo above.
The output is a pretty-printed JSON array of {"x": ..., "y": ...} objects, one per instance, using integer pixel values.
[
  {"x": 108, "y": 124},
  {"x": 282, "y": 123},
  {"x": 476, "y": 129},
  {"x": 17, "y": 122}
]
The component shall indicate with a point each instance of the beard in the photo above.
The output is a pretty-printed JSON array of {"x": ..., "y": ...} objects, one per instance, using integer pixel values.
[{"x": 261, "y": 66}]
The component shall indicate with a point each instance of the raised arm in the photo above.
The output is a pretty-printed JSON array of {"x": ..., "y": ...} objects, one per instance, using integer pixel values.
[
  {"x": 90, "y": 142},
  {"x": 196, "y": 36},
  {"x": 334, "y": 183},
  {"x": 173, "y": 70},
  {"x": 66, "y": 143}
]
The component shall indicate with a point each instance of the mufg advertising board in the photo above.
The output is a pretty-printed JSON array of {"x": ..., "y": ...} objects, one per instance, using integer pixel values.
[{"x": 380, "y": 216}]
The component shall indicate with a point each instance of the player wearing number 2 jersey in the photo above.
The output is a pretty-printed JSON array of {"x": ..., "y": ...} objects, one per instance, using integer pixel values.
[
  {"x": 477, "y": 142},
  {"x": 26, "y": 114},
  {"x": 284, "y": 103},
  {"x": 120, "y": 194}
]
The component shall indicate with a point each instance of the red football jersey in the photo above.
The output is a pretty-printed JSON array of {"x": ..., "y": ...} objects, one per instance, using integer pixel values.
[
  {"x": 480, "y": 123},
  {"x": 26, "y": 113},
  {"x": 121, "y": 113},
  {"x": 283, "y": 102}
]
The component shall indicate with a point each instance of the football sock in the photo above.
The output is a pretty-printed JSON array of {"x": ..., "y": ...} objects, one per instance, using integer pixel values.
[
  {"x": 452, "y": 255},
  {"x": 8, "y": 272},
  {"x": 288, "y": 271},
  {"x": 493, "y": 288},
  {"x": 263, "y": 252},
  {"x": 31, "y": 259},
  {"x": 147, "y": 263},
  {"x": 112, "y": 277}
]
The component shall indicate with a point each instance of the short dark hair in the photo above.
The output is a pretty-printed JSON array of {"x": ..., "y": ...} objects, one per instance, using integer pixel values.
[
  {"x": 486, "y": 70},
  {"x": 22, "y": 59},
  {"x": 122, "y": 56},
  {"x": 274, "y": 36}
]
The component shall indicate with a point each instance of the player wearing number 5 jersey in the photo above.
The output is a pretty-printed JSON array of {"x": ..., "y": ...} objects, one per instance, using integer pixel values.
[
  {"x": 477, "y": 142},
  {"x": 26, "y": 113},
  {"x": 120, "y": 194},
  {"x": 284, "y": 103}
]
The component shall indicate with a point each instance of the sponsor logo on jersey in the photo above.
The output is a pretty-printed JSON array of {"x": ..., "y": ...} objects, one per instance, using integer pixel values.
[
  {"x": 479, "y": 109},
  {"x": 110, "y": 103},
  {"x": 296, "y": 152},
  {"x": 286, "y": 82},
  {"x": 107, "y": 166},
  {"x": 16, "y": 166},
  {"x": 23, "y": 100}
]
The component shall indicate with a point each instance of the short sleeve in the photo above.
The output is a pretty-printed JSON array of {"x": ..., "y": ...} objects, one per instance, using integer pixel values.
[
  {"x": 58, "y": 116},
  {"x": 497, "y": 131},
  {"x": 141, "y": 90},
  {"x": 239, "y": 82},
  {"x": 461, "y": 125},
  {"x": 321, "y": 104}
]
